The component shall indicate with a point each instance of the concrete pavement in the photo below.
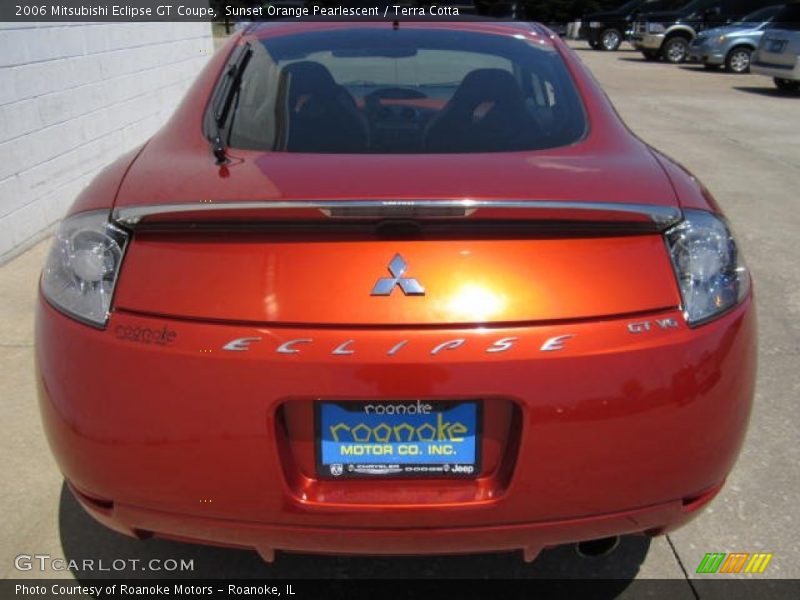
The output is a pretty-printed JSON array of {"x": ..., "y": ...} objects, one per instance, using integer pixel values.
[{"x": 743, "y": 140}]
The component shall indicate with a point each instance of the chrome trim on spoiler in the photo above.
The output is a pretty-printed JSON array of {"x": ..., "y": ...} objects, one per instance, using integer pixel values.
[{"x": 661, "y": 216}]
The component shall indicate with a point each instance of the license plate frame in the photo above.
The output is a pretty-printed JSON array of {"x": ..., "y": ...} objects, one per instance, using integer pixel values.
[{"x": 423, "y": 464}]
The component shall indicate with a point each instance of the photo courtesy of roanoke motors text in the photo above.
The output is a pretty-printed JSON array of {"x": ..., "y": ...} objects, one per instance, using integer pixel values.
[{"x": 455, "y": 299}]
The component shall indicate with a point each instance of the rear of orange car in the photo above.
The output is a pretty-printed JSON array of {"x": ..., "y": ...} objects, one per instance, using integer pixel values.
[{"x": 376, "y": 305}]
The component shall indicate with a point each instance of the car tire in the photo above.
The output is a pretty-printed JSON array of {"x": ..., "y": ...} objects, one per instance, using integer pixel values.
[
  {"x": 610, "y": 39},
  {"x": 675, "y": 49},
  {"x": 787, "y": 85},
  {"x": 651, "y": 55},
  {"x": 738, "y": 60}
]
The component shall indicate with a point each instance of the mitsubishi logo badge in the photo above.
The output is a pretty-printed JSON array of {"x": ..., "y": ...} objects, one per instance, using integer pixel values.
[{"x": 385, "y": 285}]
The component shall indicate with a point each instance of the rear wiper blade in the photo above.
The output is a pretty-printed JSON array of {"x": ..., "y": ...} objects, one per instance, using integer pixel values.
[{"x": 223, "y": 98}]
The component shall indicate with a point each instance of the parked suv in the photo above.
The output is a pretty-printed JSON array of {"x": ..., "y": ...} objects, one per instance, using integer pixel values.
[
  {"x": 606, "y": 30},
  {"x": 778, "y": 53},
  {"x": 732, "y": 44},
  {"x": 668, "y": 34}
]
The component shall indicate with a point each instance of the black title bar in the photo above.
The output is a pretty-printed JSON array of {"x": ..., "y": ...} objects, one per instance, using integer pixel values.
[
  {"x": 382, "y": 589},
  {"x": 132, "y": 11}
]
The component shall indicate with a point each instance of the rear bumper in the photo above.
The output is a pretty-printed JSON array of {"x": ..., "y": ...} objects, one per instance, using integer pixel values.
[
  {"x": 265, "y": 538},
  {"x": 619, "y": 432}
]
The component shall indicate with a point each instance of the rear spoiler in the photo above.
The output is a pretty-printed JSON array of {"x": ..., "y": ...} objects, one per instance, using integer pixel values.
[{"x": 643, "y": 216}]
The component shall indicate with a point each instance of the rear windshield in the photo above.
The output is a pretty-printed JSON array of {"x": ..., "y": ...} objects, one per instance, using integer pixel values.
[{"x": 405, "y": 91}]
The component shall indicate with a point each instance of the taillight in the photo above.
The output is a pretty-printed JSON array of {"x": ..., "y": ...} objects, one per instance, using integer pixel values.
[
  {"x": 82, "y": 268},
  {"x": 708, "y": 265}
]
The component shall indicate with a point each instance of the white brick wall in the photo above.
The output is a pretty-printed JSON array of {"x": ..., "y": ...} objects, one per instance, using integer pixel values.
[{"x": 72, "y": 98}]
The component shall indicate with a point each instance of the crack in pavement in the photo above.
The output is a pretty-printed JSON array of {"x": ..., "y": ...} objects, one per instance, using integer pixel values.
[{"x": 683, "y": 568}]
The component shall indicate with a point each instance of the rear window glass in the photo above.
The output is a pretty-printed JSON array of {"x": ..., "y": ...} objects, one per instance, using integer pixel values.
[{"x": 405, "y": 91}]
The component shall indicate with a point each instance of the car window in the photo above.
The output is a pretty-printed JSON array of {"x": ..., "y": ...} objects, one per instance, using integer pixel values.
[
  {"x": 759, "y": 16},
  {"x": 658, "y": 5},
  {"x": 787, "y": 18},
  {"x": 697, "y": 6},
  {"x": 376, "y": 90},
  {"x": 426, "y": 68},
  {"x": 628, "y": 7}
]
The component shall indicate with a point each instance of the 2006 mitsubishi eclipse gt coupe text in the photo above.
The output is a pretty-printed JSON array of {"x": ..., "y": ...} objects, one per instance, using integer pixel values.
[{"x": 405, "y": 288}]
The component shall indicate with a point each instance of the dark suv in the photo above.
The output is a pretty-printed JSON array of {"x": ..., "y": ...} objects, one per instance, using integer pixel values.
[
  {"x": 667, "y": 34},
  {"x": 606, "y": 30}
]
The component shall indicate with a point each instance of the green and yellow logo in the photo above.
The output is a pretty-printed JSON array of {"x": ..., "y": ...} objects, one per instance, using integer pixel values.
[{"x": 736, "y": 562}]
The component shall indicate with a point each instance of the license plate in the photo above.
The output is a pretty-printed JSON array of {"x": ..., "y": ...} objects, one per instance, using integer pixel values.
[
  {"x": 398, "y": 439},
  {"x": 775, "y": 46}
]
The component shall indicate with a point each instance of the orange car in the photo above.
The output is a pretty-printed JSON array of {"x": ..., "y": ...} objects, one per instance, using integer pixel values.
[{"x": 395, "y": 289}]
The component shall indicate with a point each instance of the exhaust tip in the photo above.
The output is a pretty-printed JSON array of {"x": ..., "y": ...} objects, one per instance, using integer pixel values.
[{"x": 597, "y": 548}]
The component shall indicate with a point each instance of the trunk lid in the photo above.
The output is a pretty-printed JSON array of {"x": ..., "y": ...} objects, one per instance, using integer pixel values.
[
  {"x": 254, "y": 264},
  {"x": 172, "y": 173},
  {"x": 263, "y": 279}
]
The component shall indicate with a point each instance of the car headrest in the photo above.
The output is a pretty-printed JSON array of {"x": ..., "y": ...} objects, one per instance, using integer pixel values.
[
  {"x": 486, "y": 85},
  {"x": 308, "y": 77}
]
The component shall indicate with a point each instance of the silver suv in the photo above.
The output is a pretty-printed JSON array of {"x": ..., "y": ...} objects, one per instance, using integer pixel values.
[{"x": 778, "y": 53}]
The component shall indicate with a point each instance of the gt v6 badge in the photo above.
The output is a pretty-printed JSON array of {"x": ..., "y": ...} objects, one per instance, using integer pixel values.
[
  {"x": 385, "y": 285},
  {"x": 643, "y": 326}
]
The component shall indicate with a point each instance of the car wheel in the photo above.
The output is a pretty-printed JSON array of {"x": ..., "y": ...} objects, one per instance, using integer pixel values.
[
  {"x": 738, "y": 60},
  {"x": 650, "y": 55},
  {"x": 594, "y": 44},
  {"x": 787, "y": 85},
  {"x": 676, "y": 49},
  {"x": 611, "y": 39}
]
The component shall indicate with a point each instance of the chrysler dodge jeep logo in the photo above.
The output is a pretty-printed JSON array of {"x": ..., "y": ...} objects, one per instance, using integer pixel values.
[{"x": 385, "y": 285}]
